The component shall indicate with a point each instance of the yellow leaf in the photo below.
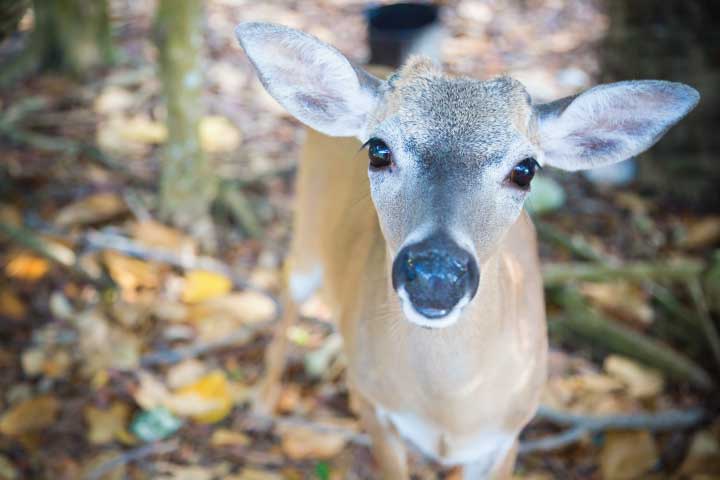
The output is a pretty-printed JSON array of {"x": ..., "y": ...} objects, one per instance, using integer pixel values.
[
  {"x": 641, "y": 382},
  {"x": 106, "y": 425},
  {"x": 29, "y": 416},
  {"x": 11, "y": 306},
  {"x": 202, "y": 285},
  {"x": 301, "y": 443},
  {"x": 130, "y": 273},
  {"x": 208, "y": 400},
  {"x": 141, "y": 129},
  {"x": 223, "y": 438},
  {"x": 91, "y": 209},
  {"x": 218, "y": 135},
  {"x": 627, "y": 455},
  {"x": 27, "y": 267}
]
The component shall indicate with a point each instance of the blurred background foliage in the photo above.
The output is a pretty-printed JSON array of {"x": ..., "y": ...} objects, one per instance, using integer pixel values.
[{"x": 145, "y": 209}]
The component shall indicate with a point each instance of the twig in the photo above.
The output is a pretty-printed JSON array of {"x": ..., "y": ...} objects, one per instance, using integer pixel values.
[
  {"x": 176, "y": 355},
  {"x": 55, "y": 253},
  {"x": 134, "y": 455},
  {"x": 582, "y": 425},
  {"x": 557, "y": 274},
  {"x": 706, "y": 323},
  {"x": 584, "y": 322}
]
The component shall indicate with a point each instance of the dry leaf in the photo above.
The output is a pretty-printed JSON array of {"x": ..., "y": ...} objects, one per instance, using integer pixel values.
[
  {"x": 208, "y": 400},
  {"x": 113, "y": 99},
  {"x": 151, "y": 392},
  {"x": 302, "y": 443},
  {"x": 26, "y": 267},
  {"x": 11, "y": 306},
  {"x": 7, "y": 469},
  {"x": 91, "y": 209},
  {"x": 224, "y": 438},
  {"x": 218, "y": 135},
  {"x": 641, "y": 381},
  {"x": 184, "y": 373},
  {"x": 29, "y": 415},
  {"x": 154, "y": 234},
  {"x": 624, "y": 299},
  {"x": 703, "y": 233},
  {"x": 627, "y": 455},
  {"x": 201, "y": 285},
  {"x": 107, "y": 425},
  {"x": 703, "y": 456},
  {"x": 141, "y": 129},
  {"x": 222, "y": 316},
  {"x": 117, "y": 472},
  {"x": 130, "y": 273}
]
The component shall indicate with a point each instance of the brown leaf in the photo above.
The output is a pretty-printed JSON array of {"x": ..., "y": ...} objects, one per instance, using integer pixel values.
[
  {"x": 30, "y": 415},
  {"x": 91, "y": 209},
  {"x": 703, "y": 456},
  {"x": 106, "y": 425},
  {"x": 641, "y": 382},
  {"x": 627, "y": 455},
  {"x": 302, "y": 443},
  {"x": 223, "y": 438},
  {"x": 703, "y": 233},
  {"x": 11, "y": 306}
]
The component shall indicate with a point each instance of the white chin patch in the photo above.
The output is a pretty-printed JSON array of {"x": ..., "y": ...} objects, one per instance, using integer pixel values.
[{"x": 413, "y": 316}]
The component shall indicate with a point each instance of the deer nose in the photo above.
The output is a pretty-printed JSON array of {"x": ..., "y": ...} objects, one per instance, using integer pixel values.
[{"x": 435, "y": 273}]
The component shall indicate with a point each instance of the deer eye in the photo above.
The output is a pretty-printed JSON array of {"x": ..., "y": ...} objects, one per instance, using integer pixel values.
[
  {"x": 523, "y": 173},
  {"x": 379, "y": 153}
]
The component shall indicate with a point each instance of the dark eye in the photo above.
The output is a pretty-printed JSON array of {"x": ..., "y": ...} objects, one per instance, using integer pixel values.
[
  {"x": 379, "y": 153},
  {"x": 523, "y": 173}
]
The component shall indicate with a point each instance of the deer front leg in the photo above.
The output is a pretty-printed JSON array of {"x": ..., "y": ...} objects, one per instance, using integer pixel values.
[
  {"x": 268, "y": 392},
  {"x": 501, "y": 470},
  {"x": 387, "y": 447}
]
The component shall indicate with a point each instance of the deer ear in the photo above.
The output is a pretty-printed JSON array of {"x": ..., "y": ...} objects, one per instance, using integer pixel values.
[
  {"x": 610, "y": 123},
  {"x": 312, "y": 80}
]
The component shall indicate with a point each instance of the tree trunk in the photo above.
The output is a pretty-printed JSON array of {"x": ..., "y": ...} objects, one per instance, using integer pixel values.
[
  {"x": 72, "y": 35},
  {"x": 674, "y": 40},
  {"x": 188, "y": 185}
]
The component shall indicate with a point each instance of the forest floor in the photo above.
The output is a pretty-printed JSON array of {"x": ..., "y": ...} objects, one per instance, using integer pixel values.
[{"x": 129, "y": 350}]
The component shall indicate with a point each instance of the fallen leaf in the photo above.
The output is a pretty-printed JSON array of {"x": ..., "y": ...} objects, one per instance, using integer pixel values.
[
  {"x": 702, "y": 233},
  {"x": 302, "y": 443},
  {"x": 623, "y": 299},
  {"x": 201, "y": 285},
  {"x": 94, "y": 208},
  {"x": 184, "y": 373},
  {"x": 130, "y": 273},
  {"x": 7, "y": 469},
  {"x": 141, "y": 129},
  {"x": 703, "y": 456},
  {"x": 107, "y": 425},
  {"x": 150, "y": 392},
  {"x": 218, "y": 135},
  {"x": 113, "y": 99},
  {"x": 224, "y": 438},
  {"x": 208, "y": 400},
  {"x": 30, "y": 415},
  {"x": 226, "y": 315},
  {"x": 11, "y": 306},
  {"x": 627, "y": 455},
  {"x": 157, "y": 235},
  {"x": 26, "y": 267},
  {"x": 641, "y": 381}
]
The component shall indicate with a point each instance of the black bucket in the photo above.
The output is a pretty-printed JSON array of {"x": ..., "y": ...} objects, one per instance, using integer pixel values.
[{"x": 398, "y": 30}]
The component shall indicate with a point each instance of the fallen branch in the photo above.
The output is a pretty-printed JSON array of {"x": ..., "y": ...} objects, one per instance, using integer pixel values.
[
  {"x": 706, "y": 323},
  {"x": 582, "y": 321},
  {"x": 558, "y": 274},
  {"x": 176, "y": 355},
  {"x": 134, "y": 455},
  {"x": 574, "y": 244},
  {"x": 582, "y": 425}
]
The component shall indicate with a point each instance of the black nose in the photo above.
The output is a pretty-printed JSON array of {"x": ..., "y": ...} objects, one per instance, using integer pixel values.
[{"x": 436, "y": 274}]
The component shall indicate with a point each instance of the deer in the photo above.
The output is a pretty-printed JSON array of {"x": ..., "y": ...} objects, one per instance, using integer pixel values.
[{"x": 424, "y": 252}]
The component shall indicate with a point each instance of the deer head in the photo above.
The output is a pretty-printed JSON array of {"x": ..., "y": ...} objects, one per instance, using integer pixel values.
[{"x": 451, "y": 160}]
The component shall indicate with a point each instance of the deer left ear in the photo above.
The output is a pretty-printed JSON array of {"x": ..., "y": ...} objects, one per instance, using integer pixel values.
[{"x": 609, "y": 123}]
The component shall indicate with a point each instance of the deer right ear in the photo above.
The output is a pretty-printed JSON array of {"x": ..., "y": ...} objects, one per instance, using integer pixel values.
[{"x": 312, "y": 80}]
